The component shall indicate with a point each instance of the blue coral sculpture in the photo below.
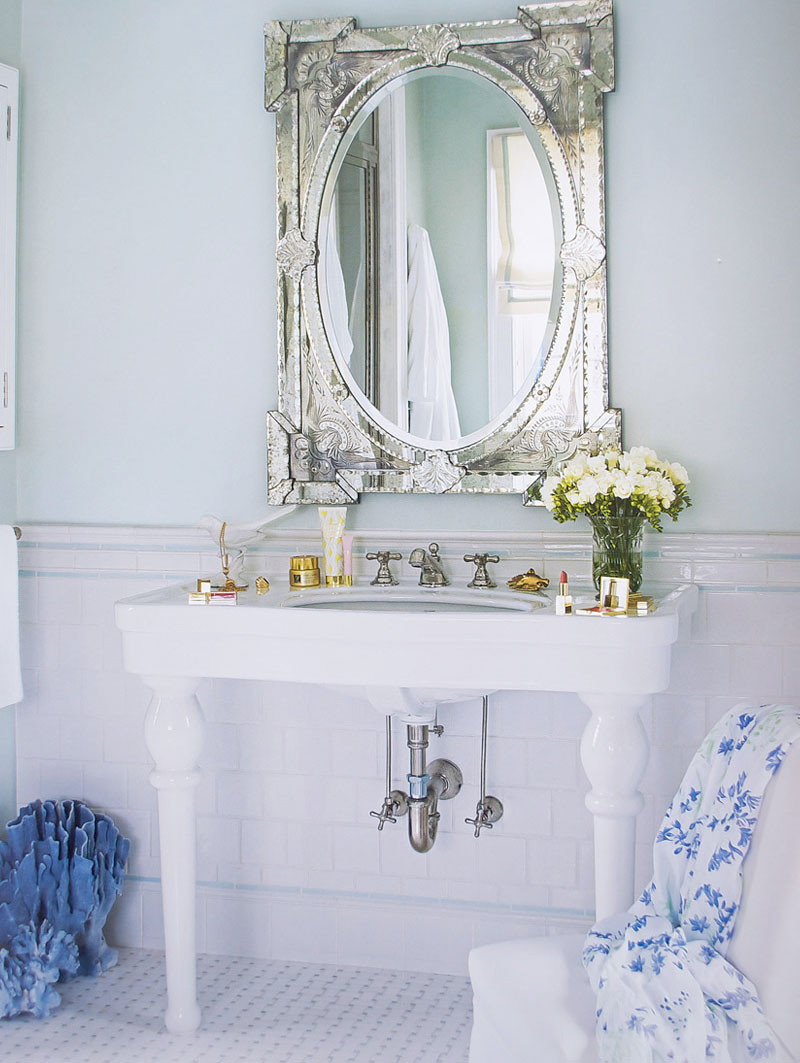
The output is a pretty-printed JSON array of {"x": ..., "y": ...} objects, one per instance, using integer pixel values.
[{"x": 61, "y": 870}]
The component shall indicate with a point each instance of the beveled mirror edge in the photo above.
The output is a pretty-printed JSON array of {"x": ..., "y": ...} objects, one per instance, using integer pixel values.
[{"x": 322, "y": 445}]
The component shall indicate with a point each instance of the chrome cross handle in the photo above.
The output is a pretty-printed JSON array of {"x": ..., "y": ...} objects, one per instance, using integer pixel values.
[
  {"x": 489, "y": 810},
  {"x": 384, "y": 577},
  {"x": 482, "y": 577},
  {"x": 394, "y": 804}
]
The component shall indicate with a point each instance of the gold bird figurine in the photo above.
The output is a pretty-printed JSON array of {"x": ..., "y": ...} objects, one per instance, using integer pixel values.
[{"x": 528, "y": 581}]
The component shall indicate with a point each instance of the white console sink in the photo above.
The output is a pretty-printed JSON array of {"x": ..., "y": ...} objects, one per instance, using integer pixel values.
[
  {"x": 404, "y": 648},
  {"x": 400, "y": 637}
]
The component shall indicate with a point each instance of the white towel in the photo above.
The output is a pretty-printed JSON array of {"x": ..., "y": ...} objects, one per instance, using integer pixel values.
[{"x": 10, "y": 675}]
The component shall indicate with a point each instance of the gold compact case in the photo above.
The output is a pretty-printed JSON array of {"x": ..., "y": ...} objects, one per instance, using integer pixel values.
[
  {"x": 201, "y": 595},
  {"x": 614, "y": 592},
  {"x": 640, "y": 604},
  {"x": 303, "y": 571}
]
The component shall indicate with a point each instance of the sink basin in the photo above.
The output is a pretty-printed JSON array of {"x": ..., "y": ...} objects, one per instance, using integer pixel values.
[
  {"x": 413, "y": 600},
  {"x": 407, "y": 601}
]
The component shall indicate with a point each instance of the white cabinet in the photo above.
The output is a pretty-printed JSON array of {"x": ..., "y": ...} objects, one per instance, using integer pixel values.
[{"x": 9, "y": 111}]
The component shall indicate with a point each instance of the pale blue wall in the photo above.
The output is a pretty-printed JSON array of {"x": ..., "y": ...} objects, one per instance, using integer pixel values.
[
  {"x": 10, "y": 32},
  {"x": 8, "y": 487},
  {"x": 148, "y": 233},
  {"x": 10, "y": 48}
]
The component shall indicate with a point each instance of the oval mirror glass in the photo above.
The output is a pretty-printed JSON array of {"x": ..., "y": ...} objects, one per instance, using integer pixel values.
[{"x": 439, "y": 277}]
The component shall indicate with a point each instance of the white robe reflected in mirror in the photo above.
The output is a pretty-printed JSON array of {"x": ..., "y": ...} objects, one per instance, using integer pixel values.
[{"x": 430, "y": 391}]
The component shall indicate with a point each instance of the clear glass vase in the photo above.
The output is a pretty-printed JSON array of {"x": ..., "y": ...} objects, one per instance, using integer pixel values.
[{"x": 617, "y": 549}]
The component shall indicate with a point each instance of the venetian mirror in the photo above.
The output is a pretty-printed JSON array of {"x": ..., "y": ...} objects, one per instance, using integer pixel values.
[{"x": 441, "y": 252}]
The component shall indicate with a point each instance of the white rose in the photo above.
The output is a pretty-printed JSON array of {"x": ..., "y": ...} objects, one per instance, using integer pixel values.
[
  {"x": 623, "y": 485},
  {"x": 597, "y": 464},
  {"x": 644, "y": 454},
  {"x": 633, "y": 463},
  {"x": 577, "y": 466},
  {"x": 677, "y": 472},
  {"x": 666, "y": 493},
  {"x": 588, "y": 488},
  {"x": 651, "y": 485},
  {"x": 548, "y": 489},
  {"x": 605, "y": 480}
]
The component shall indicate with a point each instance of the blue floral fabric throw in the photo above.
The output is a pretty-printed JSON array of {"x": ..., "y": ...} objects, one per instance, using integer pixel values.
[{"x": 665, "y": 991}]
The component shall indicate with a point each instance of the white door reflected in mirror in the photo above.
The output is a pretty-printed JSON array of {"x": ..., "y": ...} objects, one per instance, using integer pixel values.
[{"x": 439, "y": 278}]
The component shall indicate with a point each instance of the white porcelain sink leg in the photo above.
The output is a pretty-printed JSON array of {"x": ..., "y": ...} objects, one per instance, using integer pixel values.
[
  {"x": 614, "y": 751},
  {"x": 173, "y": 731}
]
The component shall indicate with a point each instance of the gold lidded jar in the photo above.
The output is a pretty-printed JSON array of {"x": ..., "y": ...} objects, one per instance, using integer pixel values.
[{"x": 303, "y": 571}]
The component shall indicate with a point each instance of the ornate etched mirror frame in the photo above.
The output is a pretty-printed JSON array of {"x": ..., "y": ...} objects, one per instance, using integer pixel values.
[{"x": 556, "y": 61}]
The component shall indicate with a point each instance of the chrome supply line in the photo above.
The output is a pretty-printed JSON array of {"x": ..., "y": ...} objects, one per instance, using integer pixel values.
[
  {"x": 395, "y": 803},
  {"x": 489, "y": 809}
]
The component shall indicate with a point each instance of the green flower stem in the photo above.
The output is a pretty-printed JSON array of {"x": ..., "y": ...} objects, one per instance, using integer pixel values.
[{"x": 617, "y": 549}]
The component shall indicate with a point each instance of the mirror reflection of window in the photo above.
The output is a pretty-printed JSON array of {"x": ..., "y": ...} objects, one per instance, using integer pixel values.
[{"x": 521, "y": 250}]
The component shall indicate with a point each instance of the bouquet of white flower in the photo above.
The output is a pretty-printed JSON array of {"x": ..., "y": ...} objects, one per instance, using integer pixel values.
[
  {"x": 617, "y": 483},
  {"x": 618, "y": 491}
]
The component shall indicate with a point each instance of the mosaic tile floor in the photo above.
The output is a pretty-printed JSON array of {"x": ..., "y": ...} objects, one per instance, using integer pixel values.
[{"x": 254, "y": 1011}]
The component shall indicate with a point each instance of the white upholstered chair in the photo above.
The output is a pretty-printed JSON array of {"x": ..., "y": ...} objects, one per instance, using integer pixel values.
[{"x": 532, "y": 998}]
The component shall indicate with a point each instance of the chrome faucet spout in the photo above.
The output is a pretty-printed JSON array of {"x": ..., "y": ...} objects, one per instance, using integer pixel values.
[{"x": 430, "y": 565}]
